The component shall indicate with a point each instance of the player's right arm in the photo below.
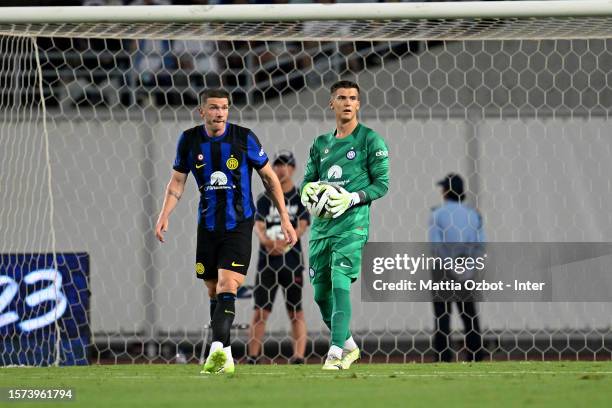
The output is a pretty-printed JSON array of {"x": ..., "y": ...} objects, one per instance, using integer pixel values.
[
  {"x": 311, "y": 172},
  {"x": 176, "y": 185},
  {"x": 174, "y": 191},
  {"x": 311, "y": 175}
]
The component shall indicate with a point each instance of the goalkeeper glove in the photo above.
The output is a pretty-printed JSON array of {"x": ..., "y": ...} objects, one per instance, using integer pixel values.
[
  {"x": 309, "y": 192},
  {"x": 340, "y": 202}
]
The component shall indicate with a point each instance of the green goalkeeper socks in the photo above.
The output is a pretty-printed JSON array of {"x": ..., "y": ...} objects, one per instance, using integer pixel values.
[
  {"x": 323, "y": 297},
  {"x": 341, "y": 317},
  {"x": 335, "y": 308}
]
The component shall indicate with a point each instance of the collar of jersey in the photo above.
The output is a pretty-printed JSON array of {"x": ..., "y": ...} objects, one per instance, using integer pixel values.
[
  {"x": 353, "y": 133},
  {"x": 216, "y": 138}
]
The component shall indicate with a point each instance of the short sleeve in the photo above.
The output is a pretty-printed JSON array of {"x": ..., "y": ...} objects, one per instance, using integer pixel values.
[
  {"x": 256, "y": 155},
  {"x": 181, "y": 161},
  {"x": 263, "y": 208}
]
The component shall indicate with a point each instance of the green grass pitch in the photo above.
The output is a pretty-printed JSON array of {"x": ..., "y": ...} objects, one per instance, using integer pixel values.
[{"x": 505, "y": 384}]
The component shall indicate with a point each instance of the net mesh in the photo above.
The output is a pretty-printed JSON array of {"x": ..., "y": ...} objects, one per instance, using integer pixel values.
[
  {"x": 526, "y": 121},
  {"x": 348, "y": 30}
]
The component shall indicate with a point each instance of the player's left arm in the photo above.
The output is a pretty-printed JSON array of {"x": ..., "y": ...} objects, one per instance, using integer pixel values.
[
  {"x": 310, "y": 185},
  {"x": 378, "y": 168},
  {"x": 273, "y": 186}
]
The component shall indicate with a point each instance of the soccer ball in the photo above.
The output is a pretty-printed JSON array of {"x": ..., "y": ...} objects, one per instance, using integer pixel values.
[{"x": 319, "y": 206}]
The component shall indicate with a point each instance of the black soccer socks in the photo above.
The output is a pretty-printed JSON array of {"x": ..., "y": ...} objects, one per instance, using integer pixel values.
[
  {"x": 213, "y": 306},
  {"x": 223, "y": 318}
]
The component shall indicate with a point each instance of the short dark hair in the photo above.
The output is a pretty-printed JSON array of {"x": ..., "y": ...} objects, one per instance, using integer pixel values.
[
  {"x": 214, "y": 93},
  {"x": 453, "y": 187},
  {"x": 343, "y": 85}
]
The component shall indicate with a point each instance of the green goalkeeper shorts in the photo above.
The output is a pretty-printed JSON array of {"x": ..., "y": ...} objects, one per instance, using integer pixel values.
[{"x": 336, "y": 254}]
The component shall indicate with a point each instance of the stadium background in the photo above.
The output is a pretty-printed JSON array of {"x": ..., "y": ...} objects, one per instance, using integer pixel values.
[{"x": 525, "y": 121}]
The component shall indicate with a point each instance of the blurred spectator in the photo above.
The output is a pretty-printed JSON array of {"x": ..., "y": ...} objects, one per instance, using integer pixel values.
[
  {"x": 198, "y": 67},
  {"x": 195, "y": 56},
  {"x": 76, "y": 90},
  {"x": 152, "y": 60},
  {"x": 455, "y": 222},
  {"x": 279, "y": 265}
]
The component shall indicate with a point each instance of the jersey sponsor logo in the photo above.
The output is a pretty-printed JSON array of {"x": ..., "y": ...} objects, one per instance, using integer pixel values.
[
  {"x": 382, "y": 153},
  {"x": 218, "y": 181},
  {"x": 334, "y": 172},
  {"x": 351, "y": 154},
  {"x": 199, "y": 166},
  {"x": 232, "y": 163},
  {"x": 199, "y": 268},
  {"x": 218, "y": 178},
  {"x": 234, "y": 263}
]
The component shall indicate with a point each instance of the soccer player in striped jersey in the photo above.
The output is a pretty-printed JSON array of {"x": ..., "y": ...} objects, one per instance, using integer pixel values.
[
  {"x": 221, "y": 156},
  {"x": 355, "y": 159}
]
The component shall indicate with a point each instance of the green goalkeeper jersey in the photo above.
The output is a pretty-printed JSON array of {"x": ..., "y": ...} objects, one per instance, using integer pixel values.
[{"x": 359, "y": 163}]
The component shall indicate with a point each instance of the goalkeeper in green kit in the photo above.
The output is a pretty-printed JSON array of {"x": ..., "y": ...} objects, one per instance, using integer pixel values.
[{"x": 348, "y": 168}]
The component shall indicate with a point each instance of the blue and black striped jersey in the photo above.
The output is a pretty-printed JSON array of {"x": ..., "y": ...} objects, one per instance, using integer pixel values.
[{"x": 222, "y": 167}]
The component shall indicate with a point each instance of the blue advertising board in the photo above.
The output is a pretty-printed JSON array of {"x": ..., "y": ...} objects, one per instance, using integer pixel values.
[{"x": 39, "y": 299}]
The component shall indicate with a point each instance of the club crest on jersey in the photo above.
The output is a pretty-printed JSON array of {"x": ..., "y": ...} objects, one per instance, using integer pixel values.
[
  {"x": 232, "y": 163},
  {"x": 334, "y": 172},
  {"x": 311, "y": 273},
  {"x": 351, "y": 154},
  {"x": 326, "y": 151}
]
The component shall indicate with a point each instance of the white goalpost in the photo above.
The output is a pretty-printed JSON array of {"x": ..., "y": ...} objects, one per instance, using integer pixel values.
[{"x": 515, "y": 96}]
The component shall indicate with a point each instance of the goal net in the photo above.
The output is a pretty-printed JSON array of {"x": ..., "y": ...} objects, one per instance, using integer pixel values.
[{"x": 514, "y": 97}]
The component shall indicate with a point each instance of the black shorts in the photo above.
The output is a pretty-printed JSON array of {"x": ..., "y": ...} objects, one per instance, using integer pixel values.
[
  {"x": 229, "y": 250},
  {"x": 267, "y": 282}
]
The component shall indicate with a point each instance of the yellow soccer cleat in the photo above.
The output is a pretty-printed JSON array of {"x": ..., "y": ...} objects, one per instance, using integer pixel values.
[
  {"x": 228, "y": 367},
  {"x": 349, "y": 358},
  {"x": 215, "y": 363},
  {"x": 332, "y": 363}
]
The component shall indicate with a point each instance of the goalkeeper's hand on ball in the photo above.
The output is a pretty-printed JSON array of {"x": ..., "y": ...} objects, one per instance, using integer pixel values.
[
  {"x": 341, "y": 201},
  {"x": 309, "y": 193}
]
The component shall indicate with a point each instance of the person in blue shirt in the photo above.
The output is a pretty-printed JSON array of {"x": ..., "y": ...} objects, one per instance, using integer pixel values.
[
  {"x": 455, "y": 222},
  {"x": 221, "y": 156}
]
